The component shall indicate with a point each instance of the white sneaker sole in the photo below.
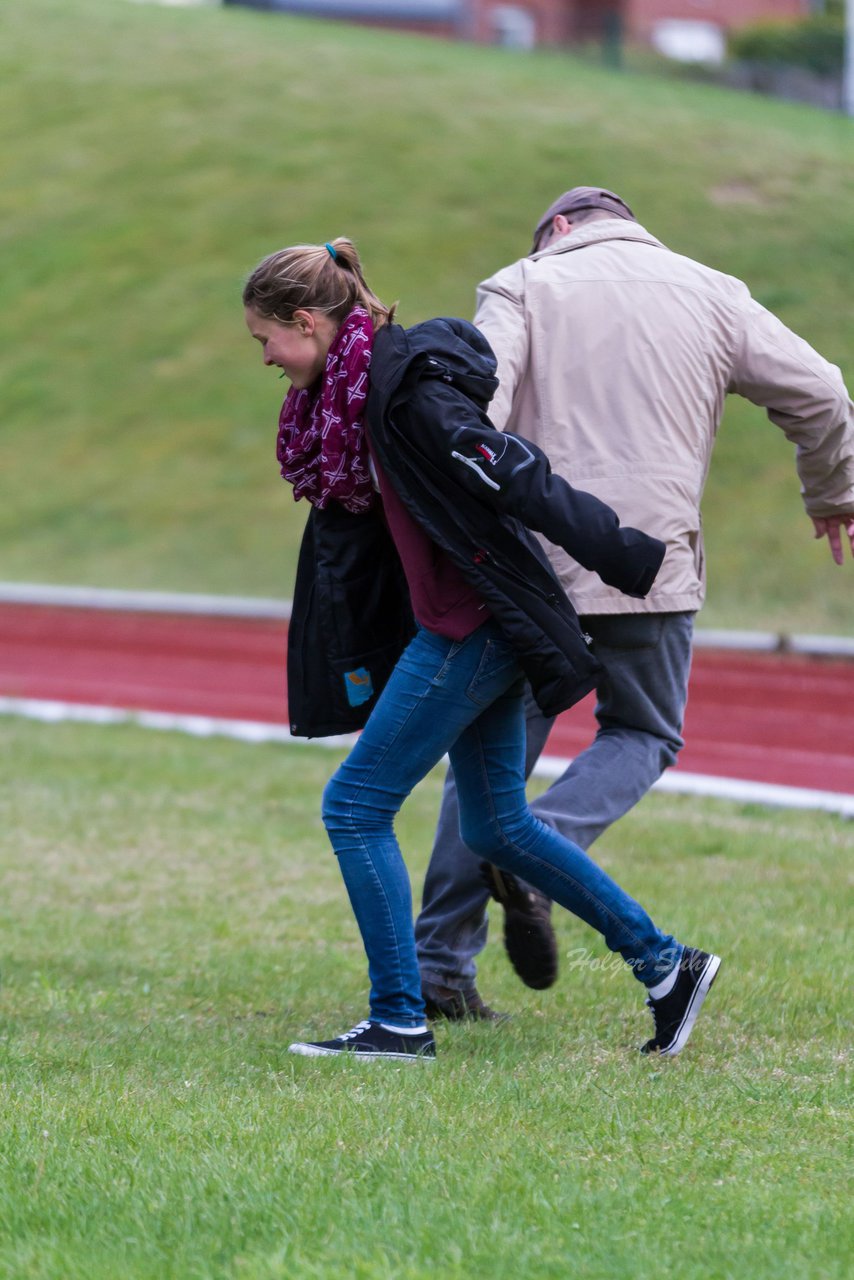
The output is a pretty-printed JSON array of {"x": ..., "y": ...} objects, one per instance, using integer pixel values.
[
  {"x": 315, "y": 1051},
  {"x": 700, "y": 992}
]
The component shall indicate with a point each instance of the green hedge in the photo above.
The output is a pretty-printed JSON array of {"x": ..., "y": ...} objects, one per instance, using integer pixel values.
[{"x": 817, "y": 43}]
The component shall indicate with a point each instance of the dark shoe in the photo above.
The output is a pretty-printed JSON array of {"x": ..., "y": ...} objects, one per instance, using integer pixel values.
[
  {"x": 372, "y": 1040},
  {"x": 675, "y": 1014},
  {"x": 529, "y": 938},
  {"x": 458, "y": 1006}
]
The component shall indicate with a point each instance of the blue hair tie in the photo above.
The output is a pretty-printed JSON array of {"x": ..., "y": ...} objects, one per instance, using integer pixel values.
[{"x": 331, "y": 251}]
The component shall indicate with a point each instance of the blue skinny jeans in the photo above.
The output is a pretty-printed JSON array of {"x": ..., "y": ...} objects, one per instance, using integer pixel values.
[
  {"x": 464, "y": 698},
  {"x": 640, "y": 706}
]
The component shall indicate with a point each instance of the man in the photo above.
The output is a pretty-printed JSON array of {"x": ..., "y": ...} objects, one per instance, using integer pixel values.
[{"x": 615, "y": 356}]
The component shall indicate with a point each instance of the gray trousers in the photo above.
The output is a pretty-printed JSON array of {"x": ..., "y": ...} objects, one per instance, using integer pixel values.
[{"x": 640, "y": 707}]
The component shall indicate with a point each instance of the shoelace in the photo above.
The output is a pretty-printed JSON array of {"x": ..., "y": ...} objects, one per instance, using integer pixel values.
[
  {"x": 656, "y": 1011},
  {"x": 357, "y": 1031}
]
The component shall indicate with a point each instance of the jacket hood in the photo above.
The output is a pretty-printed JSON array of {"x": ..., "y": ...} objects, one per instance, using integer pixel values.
[{"x": 447, "y": 348}]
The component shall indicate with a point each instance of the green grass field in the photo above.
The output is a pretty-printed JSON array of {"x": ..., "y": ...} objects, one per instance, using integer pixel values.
[
  {"x": 171, "y": 917},
  {"x": 170, "y": 913},
  {"x": 150, "y": 157}
]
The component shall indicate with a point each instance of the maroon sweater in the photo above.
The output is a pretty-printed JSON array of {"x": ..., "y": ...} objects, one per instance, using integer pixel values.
[{"x": 442, "y": 600}]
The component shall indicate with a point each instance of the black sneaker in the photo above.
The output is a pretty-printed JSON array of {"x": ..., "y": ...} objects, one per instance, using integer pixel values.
[
  {"x": 372, "y": 1040},
  {"x": 458, "y": 1006},
  {"x": 529, "y": 938},
  {"x": 675, "y": 1014}
]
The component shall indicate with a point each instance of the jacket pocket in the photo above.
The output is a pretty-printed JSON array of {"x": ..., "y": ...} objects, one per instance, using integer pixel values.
[{"x": 502, "y": 567}]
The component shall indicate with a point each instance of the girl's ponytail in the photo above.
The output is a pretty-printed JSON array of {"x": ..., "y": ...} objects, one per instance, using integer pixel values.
[{"x": 313, "y": 277}]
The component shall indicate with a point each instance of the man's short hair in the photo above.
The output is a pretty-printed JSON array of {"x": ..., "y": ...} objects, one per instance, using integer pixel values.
[{"x": 582, "y": 198}]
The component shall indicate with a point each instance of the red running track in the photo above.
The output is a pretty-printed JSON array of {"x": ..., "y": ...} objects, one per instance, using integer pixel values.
[{"x": 763, "y": 718}]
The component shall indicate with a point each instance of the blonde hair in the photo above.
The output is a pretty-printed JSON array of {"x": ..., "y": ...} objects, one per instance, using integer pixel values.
[{"x": 313, "y": 277}]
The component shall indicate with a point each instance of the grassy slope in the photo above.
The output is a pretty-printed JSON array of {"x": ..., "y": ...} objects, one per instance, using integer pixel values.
[
  {"x": 171, "y": 916},
  {"x": 152, "y": 155}
]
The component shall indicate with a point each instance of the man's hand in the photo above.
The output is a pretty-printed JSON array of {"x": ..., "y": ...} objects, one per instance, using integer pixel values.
[{"x": 833, "y": 526}]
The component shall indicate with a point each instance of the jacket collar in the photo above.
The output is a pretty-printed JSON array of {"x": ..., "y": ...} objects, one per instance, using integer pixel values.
[{"x": 595, "y": 233}]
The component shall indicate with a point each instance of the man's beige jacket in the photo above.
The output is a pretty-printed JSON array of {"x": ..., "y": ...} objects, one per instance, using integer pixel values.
[{"x": 615, "y": 356}]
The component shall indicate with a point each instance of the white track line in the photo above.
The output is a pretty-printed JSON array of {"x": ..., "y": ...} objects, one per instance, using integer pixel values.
[
  {"x": 253, "y": 731},
  {"x": 703, "y": 784},
  {"x": 37, "y": 593}
]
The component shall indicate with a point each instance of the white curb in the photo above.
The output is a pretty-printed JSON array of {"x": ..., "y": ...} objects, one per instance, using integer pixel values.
[
  {"x": 37, "y": 593},
  {"x": 548, "y": 766}
]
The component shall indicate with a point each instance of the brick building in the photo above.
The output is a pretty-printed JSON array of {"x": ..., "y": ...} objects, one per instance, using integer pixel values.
[
  {"x": 541, "y": 22},
  {"x": 558, "y": 22},
  {"x": 642, "y": 15}
]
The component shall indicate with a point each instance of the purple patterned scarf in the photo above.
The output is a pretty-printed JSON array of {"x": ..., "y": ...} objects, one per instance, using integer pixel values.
[{"x": 321, "y": 444}]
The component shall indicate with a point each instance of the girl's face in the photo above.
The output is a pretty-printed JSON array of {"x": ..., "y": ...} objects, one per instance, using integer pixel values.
[{"x": 298, "y": 347}]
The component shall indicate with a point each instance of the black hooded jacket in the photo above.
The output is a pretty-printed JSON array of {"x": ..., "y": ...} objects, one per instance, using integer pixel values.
[{"x": 476, "y": 492}]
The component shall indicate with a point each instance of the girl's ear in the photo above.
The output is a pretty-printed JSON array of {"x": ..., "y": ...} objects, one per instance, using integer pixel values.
[{"x": 306, "y": 322}]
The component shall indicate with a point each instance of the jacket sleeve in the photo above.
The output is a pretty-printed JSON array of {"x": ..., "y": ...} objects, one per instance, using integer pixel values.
[
  {"x": 512, "y": 476},
  {"x": 805, "y": 396},
  {"x": 500, "y": 315}
]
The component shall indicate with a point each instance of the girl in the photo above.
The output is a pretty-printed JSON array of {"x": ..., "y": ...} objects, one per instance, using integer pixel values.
[{"x": 421, "y": 604}]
